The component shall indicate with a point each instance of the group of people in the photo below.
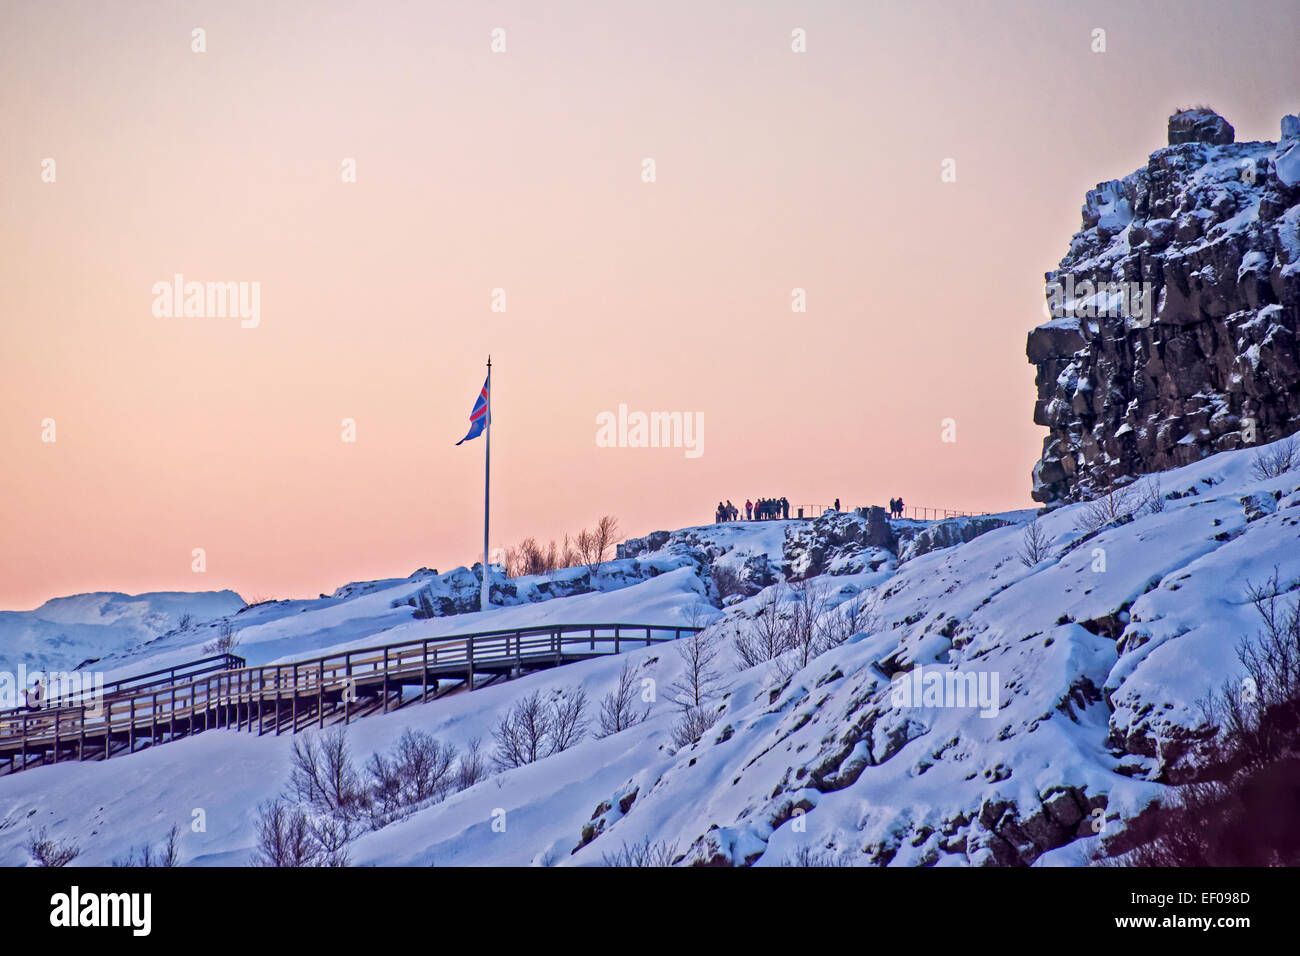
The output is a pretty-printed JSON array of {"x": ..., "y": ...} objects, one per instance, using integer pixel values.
[
  {"x": 764, "y": 509},
  {"x": 895, "y": 507}
]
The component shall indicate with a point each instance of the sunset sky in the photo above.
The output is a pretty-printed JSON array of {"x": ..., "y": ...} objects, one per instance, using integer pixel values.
[{"x": 522, "y": 170}]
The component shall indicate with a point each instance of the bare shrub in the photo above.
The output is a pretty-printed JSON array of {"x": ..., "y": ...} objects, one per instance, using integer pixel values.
[
  {"x": 806, "y": 856},
  {"x": 692, "y": 724},
  {"x": 284, "y": 836},
  {"x": 323, "y": 776},
  {"x": 424, "y": 766},
  {"x": 806, "y": 632},
  {"x": 1035, "y": 545},
  {"x": 1152, "y": 498},
  {"x": 226, "y": 641},
  {"x": 855, "y": 616},
  {"x": 186, "y": 622},
  {"x": 1276, "y": 460},
  {"x": 47, "y": 852},
  {"x": 569, "y": 721},
  {"x": 523, "y": 735},
  {"x": 168, "y": 853},
  {"x": 472, "y": 767},
  {"x": 1115, "y": 505},
  {"x": 619, "y": 709},
  {"x": 767, "y": 637},
  {"x": 645, "y": 853}
]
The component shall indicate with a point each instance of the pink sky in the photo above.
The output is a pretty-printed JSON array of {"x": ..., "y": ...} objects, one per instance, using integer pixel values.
[{"x": 522, "y": 171}]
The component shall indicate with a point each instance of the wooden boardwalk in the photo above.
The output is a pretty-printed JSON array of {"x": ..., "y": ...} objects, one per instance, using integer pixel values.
[{"x": 220, "y": 692}]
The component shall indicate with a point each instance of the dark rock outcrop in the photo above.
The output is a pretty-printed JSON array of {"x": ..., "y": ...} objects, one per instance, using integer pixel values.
[{"x": 1175, "y": 314}]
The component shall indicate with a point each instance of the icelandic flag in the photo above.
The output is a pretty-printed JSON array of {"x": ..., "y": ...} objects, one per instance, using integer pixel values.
[{"x": 478, "y": 417}]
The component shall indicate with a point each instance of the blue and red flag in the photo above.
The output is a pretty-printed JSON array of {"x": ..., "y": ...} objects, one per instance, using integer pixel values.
[{"x": 478, "y": 416}]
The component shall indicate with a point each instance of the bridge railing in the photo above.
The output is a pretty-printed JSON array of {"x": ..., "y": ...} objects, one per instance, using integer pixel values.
[{"x": 239, "y": 696}]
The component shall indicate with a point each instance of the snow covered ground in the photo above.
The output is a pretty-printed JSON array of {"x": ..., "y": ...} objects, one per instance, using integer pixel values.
[{"x": 1085, "y": 671}]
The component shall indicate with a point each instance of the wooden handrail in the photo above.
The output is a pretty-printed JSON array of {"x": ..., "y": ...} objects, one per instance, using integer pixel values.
[{"x": 249, "y": 693}]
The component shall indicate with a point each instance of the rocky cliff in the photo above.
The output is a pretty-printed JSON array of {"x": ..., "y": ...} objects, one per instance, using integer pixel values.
[{"x": 1174, "y": 316}]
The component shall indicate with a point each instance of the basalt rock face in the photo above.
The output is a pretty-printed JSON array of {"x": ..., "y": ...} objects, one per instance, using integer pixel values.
[{"x": 1175, "y": 314}]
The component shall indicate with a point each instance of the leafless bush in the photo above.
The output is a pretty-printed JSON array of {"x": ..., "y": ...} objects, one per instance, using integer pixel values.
[
  {"x": 594, "y": 545},
  {"x": 1115, "y": 505},
  {"x": 692, "y": 724},
  {"x": 855, "y": 616},
  {"x": 619, "y": 709},
  {"x": 185, "y": 622},
  {"x": 472, "y": 767},
  {"x": 806, "y": 856},
  {"x": 645, "y": 853},
  {"x": 424, "y": 766},
  {"x": 323, "y": 776},
  {"x": 1152, "y": 496},
  {"x": 168, "y": 853},
  {"x": 534, "y": 728},
  {"x": 806, "y": 622},
  {"x": 47, "y": 852},
  {"x": 226, "y": 642},
  {"x": 284, "y": 836},
  {"x": 767, "y": 637},
  {"x": 1275, "y": 460},
  {"x": 1035, "y": 545}
]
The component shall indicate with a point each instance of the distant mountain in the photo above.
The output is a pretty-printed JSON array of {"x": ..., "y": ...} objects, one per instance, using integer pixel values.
[{"x": 64, "y": 632}]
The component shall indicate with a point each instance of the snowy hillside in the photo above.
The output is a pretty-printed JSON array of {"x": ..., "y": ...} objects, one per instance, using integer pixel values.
[{"x": 1085, "y": 669}]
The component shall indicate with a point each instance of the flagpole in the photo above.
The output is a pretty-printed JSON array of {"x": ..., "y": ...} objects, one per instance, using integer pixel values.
[{"x": 487, "y": 484}]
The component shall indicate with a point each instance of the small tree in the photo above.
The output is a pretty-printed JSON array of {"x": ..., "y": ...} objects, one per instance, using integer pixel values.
[
  {"x": 472, "y": 767},
  {"x": 701, "y": 681},
  {"x": 619, "y": 710},
  {"x": 767, "y": 637},
  {"x": 594, "y": 545},
  {"x": 1035, "y": 544}
]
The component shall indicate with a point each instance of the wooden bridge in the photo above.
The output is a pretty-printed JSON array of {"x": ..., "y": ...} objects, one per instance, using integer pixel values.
[{"x": 220, "y": 692}]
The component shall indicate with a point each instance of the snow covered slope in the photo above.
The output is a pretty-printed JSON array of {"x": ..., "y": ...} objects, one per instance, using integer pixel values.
[{"x": 1085, "y": 670}]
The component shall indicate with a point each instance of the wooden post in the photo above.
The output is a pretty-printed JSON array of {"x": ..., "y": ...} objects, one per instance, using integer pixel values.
[
  {"x": 647, "y": 637},
  {"x": 616, "y": 634},
  {"x": 593, "y": 638},
  {"x": 424, "y": 672},
  {"x": 278, "y": 669},
  {"x": 24, "y": 741},
  {"x": 57, "y": 714},
  {"x": 81, "y": 738},
  {"x": 386, "y": 677},
  {"x": 320, "y": 693},
  {"x": 469, "y": 653},
  {"x": 293, "y": 708},
  {"x": 347, "y": 687},
  {"x": 153, "y": 720},
  {"x": 108, "y": 728}
]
